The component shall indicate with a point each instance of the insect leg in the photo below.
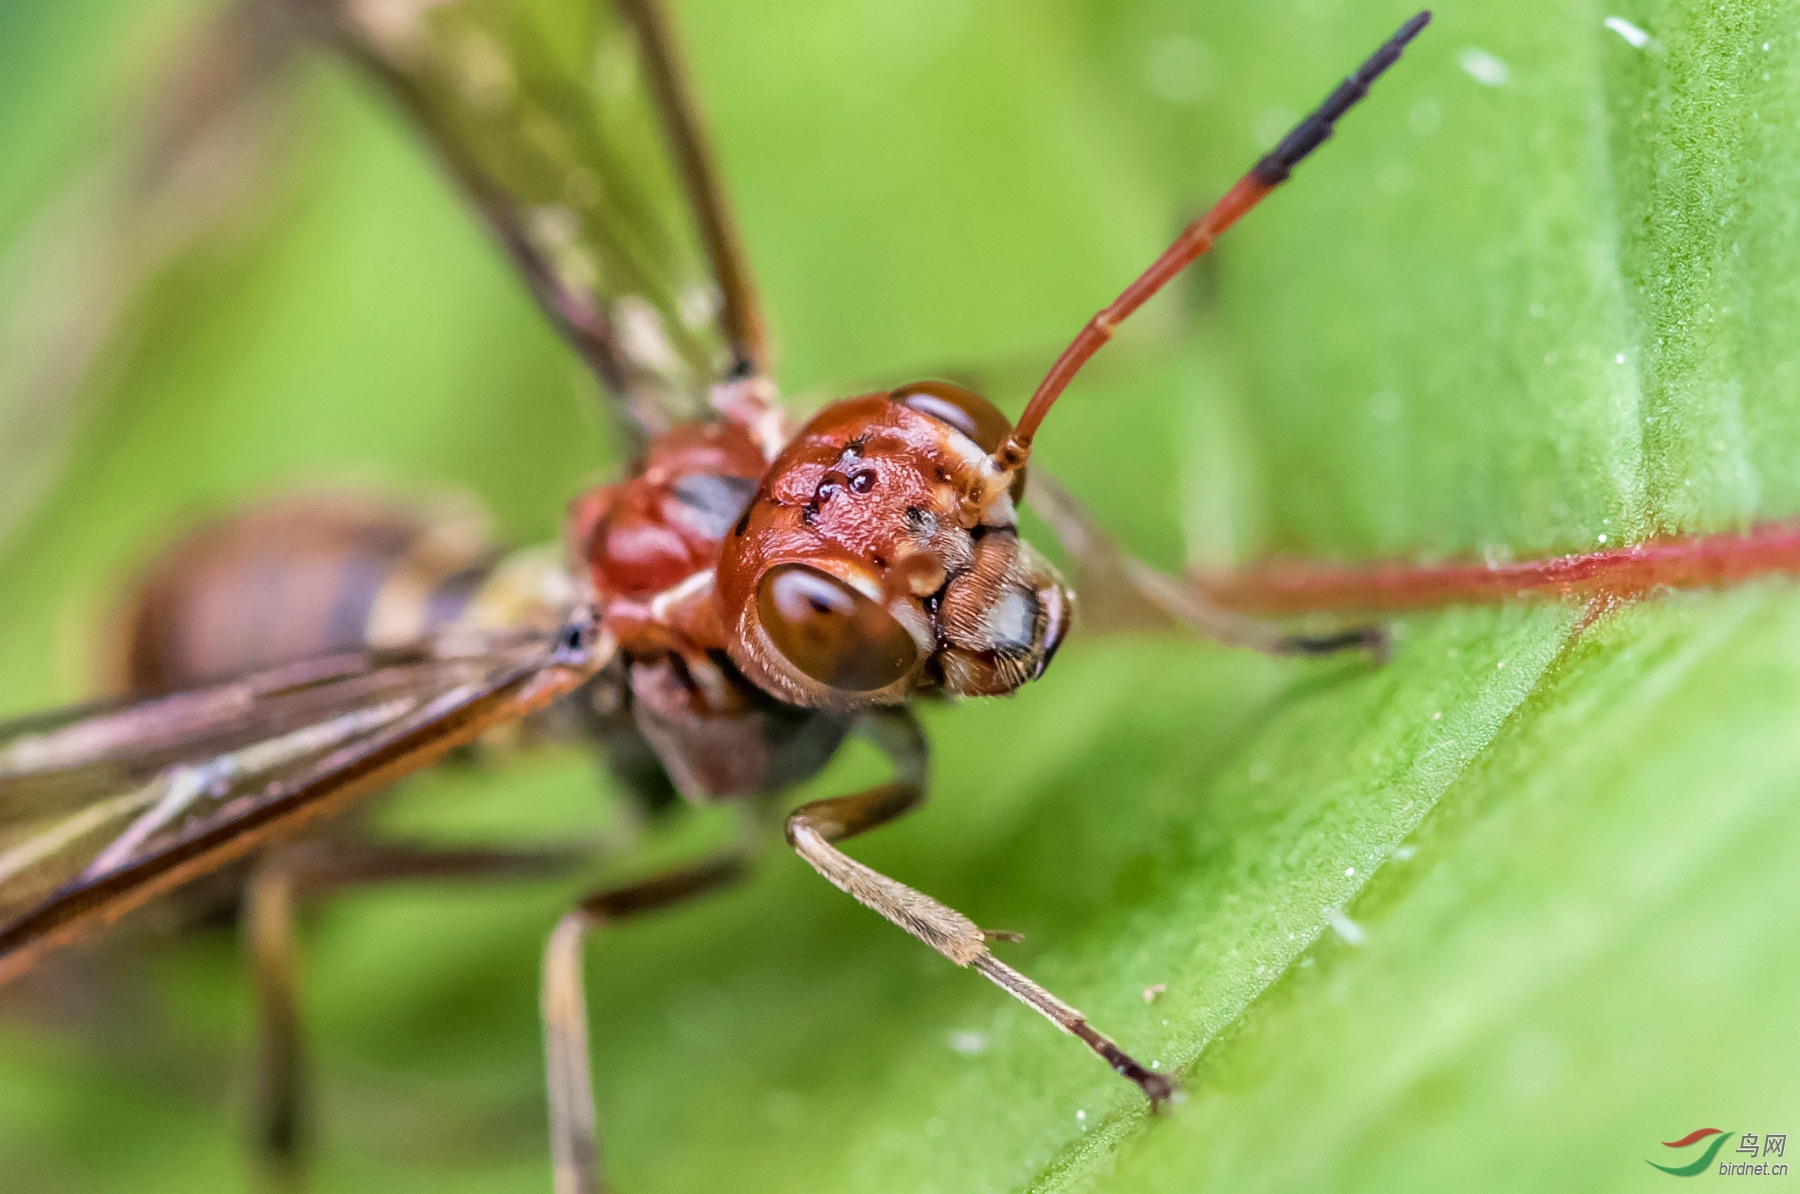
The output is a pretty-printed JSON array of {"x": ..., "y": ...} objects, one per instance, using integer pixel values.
[
  {"x": 281, "y": 1082},
  {"x": 308, "y": 869},
  {"x": 574, "y": 1138},
  {"x": 1111, "y": 579},
  {"x": 812, "y": 830}
]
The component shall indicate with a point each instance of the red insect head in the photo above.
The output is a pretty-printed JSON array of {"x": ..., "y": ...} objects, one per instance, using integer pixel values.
[
  {"x": 861, "y": 572},
  {"x": 880, "y": 552}
]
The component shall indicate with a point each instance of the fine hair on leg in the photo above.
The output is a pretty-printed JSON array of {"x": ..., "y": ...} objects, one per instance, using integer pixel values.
[{"x": 814, "y": 829}]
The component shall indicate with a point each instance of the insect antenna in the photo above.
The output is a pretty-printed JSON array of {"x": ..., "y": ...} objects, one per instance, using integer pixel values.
[{"x": 1268, "y": 173}]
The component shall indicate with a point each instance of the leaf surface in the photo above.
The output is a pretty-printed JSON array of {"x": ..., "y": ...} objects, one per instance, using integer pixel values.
[{"x": 1504, "y": 914}]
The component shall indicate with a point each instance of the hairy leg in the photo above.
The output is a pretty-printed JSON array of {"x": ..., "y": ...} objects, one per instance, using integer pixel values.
[{"x": 813, "y": 829}]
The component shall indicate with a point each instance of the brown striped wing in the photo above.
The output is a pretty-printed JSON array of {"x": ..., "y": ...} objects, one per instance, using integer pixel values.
[
  {"x": 570, "y": 126},
  {"x": 100, "y": 810}
]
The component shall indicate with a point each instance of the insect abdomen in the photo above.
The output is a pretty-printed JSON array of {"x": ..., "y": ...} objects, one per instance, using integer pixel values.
[{"x": 299, "y": 577}]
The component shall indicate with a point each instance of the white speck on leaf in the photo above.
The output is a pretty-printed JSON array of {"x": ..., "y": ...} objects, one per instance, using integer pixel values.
[
  {"x": 1636, "y": 38},
  {"x": 1483, "y": 67},
  {"x": 1406, "y": 853},
  {"x": 969, "y": 1043},
  {"x": 1344, "y": 927}
]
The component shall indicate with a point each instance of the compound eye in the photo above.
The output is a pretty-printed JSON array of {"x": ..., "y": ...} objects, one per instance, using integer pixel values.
[
  {"x": 964, "y": 410},
  {"x": 831, "y": 632}
]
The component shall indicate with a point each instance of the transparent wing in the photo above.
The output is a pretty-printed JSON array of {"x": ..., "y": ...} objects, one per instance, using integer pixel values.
[
  {"x": 569, "y": 124},
  {"x": 102, "y": 809}
]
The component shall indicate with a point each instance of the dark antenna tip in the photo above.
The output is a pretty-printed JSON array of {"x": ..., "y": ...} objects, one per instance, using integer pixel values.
[
  {"x": 1312, "y": 132},
  {"x": 997, "y": 470}
]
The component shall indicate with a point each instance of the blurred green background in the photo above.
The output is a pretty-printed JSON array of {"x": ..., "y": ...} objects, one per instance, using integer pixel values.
[{"x": 1540, "y": 294}]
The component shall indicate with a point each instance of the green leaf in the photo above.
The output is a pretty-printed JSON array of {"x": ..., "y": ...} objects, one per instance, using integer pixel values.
[{"x": 1506, "y": 913}]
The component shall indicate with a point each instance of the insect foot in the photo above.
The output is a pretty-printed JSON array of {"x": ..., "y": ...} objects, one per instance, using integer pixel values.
[
  {"x": 1374, "y": 639},
  {"x": 1156, "y": 1087}
]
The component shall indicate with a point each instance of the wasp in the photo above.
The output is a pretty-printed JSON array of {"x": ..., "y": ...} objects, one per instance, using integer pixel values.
[{"x": 719, "y": 620}]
